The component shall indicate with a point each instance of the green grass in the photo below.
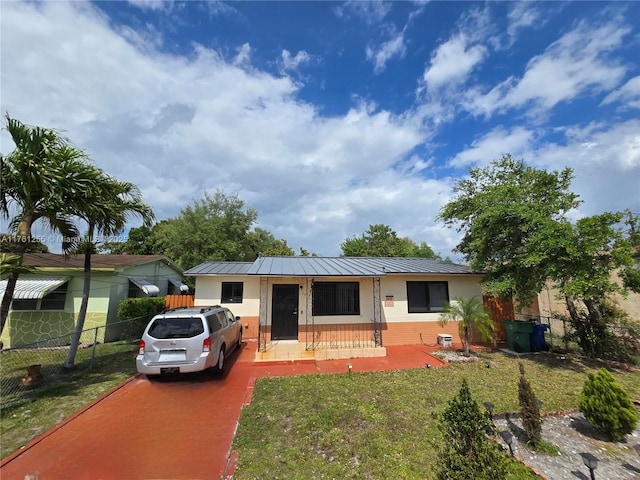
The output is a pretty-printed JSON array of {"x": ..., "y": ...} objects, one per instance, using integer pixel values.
[
  {"x": 63, "y": 394},
  {"x": 380, "y": 425}
]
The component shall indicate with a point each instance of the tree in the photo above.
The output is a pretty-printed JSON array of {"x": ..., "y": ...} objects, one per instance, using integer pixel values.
[
  {"x": 468, "y": 452},
  {"x": 514, "y": 223},
  {"x": 262, "y": 241},
  {"x": 470, "y": 315},
  {"x": 529, "y": 409},
  {"x": 105, "y": 207},
  {"x": 608, "y": 406},
  {"x": 38, "y": 178},
  {"x": 140, "y": 241},
  {"x": 381, "y": 241},
  {"x": 212, "y": 228}
]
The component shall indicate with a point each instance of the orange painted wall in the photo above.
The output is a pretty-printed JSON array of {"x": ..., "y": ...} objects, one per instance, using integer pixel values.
[
  {"x": 409, "y": 333},
  {"x": 249, "y": 327}
]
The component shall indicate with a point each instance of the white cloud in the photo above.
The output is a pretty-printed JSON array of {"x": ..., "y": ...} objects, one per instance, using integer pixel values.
[
  {"x": 576, "y": 63},
  {"x": 243, "y": 57},
  {"x": 152, "y": 4},
  {"x": 370, "y": 11},
  {"x": 290, "y": 62},
  {"x": 494, "y": 145},
  {"x": 177, "y": 126},
  {"x": 627, "y": 95},
  {"x": 606, "y": 163},
  {"x": 522, "y": 15},
  {"x": 394, "y": 47},
  {"x": 452, "y": 62}
]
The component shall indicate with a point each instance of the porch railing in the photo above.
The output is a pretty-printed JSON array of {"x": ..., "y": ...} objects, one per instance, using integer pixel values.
[{"x": 341, "y": 336}]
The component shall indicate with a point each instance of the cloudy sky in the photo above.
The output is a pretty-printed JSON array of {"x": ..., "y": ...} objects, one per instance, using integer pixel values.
[{"x": 327, "y": 117}]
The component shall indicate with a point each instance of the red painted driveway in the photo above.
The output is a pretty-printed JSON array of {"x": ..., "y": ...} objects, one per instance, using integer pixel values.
[{"x": 170, "y": 429}]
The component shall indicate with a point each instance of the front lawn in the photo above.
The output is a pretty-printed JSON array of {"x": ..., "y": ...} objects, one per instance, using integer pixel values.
[
  {"x": 380, "y": 425},
  {"x": 64, "y": 393}
]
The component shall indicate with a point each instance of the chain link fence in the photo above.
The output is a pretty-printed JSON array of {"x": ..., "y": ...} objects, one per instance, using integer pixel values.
[{"x": 27, "y": 369}]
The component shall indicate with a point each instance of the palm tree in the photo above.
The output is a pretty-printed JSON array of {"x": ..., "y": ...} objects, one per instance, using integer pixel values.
[
  {"x": 471, "y": 314},
  {"x": 42, "y": 174},
  {"x": 105, "y": 208}
]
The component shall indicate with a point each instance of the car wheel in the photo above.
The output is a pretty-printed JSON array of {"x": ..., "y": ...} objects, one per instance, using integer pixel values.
[
  {"x": 240, "y": 339},
  {"x": 220, "y": 364}
]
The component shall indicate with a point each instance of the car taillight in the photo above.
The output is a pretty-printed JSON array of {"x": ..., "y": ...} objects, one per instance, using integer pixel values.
[
  {"x": 206, "y": 345},
  {"x": 141, "y": 348}
]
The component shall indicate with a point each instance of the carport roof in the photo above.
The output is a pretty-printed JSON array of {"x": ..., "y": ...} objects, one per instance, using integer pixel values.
[{"x": 330, "y": 267}]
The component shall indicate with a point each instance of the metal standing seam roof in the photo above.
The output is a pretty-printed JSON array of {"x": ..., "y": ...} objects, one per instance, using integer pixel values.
[
  {"x": 33, "y": 288},
  {"x": 330, "y": 266},
  {"x": 220, "y": 268}
]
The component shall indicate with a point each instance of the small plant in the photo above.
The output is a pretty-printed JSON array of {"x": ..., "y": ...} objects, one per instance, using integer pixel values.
[
  {"x": 608, "y": 406},
  {"x": 529, "y": 409},
  {"x": 468, "y": 451}
]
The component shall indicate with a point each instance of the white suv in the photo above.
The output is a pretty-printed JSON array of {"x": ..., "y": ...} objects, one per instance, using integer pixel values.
[{"x": 189, "y": 339}]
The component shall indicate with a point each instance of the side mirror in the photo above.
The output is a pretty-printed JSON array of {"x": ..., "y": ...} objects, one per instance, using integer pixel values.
[{"x": 237, "y": 318}]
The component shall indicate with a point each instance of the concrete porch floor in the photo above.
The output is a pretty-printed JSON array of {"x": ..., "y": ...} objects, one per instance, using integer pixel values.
[{"x": 292, "y": 350}]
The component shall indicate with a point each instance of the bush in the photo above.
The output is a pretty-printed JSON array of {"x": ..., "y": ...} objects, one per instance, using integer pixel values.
[
  {"x": 468, "y": 451},
  {"x": 608, "y": 406},
  {"x": 529, "y": 409},
  {"x": 141, "y": 310}
]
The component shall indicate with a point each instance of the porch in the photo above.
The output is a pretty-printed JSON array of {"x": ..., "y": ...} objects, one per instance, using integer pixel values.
[{"x": 293, "y": 350}]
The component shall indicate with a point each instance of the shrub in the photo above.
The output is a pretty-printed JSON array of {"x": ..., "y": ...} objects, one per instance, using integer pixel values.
[
  {"x": 608, "y": 406},
  {"x": 529, "y": 409},
  {"x": 141, "y": 310},
  {"x": 467, "y": 451}
]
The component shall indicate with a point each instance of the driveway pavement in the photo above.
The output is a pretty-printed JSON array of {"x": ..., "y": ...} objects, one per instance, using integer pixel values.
[{"x": 171, "y": 429}]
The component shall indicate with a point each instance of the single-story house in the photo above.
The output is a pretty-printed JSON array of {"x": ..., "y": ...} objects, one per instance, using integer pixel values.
[
  {"x": 46, "y": 303},
  {"x": 339, "y": 303}
]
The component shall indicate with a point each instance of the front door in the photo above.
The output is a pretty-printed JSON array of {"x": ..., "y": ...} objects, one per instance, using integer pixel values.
[{"x": 284, "y": 312}]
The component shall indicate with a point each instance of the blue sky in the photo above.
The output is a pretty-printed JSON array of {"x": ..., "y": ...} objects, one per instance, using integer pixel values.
[{"x": 327, "y": 117}]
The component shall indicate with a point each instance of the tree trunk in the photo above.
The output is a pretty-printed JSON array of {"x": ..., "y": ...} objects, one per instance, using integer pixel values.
[
  {"x": 23, "y": 234},
  {"x": 82, "y": 314}
]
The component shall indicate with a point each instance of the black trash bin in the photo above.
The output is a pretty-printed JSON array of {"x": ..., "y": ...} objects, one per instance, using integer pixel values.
[{"x": 538, "y": 342}]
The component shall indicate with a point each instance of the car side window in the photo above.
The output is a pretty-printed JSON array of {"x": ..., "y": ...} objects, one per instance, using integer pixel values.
[
  {"x": 223, "y": 319},
  {"x": 214, "y": 323},
  {"x": 230, "y": 316}
]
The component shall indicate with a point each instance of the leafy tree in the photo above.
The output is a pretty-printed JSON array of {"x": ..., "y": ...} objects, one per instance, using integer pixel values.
[
  {"x": 470, "y": 315},
  {"x": 262, "y": 241},
  {"x": 212, "y": 228},
  {"x": 608, "y": 406},
  {"x": 514, "y": 225},
  {"x": 140, "y": 241},
  {"x": 467, "y": 451},
  {"x": 42, "y": 175},
  {"x": 529, "y": 409},
  {"x": 106, "y": 207},
  {"x": 381, "y": 241}
]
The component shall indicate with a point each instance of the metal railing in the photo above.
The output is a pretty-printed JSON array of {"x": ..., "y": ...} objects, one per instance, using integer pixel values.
[
  {"x": 26, "y": 369},
  {"x": 341, "y": 336}
]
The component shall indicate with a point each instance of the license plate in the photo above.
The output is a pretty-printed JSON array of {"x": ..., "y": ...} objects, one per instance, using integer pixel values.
[
  {"x": 173, "y": 355},
  {"x": 169, "y": 370}
]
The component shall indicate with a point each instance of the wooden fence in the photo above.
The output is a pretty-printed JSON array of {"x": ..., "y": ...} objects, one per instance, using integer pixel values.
[
  {"x": 175, "y": 301},
  {"x": 499, "y": 311}
]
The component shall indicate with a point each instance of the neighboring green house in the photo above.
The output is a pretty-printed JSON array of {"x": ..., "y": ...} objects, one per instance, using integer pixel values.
[{"x": 46, "y": 303}]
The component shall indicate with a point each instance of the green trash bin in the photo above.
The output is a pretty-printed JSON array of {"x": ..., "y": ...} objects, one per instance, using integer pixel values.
[{"x": 518, "y": 335}]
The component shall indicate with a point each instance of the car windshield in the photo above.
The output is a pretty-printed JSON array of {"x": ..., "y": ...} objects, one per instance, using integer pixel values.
[{"x": 176, "y": 328}]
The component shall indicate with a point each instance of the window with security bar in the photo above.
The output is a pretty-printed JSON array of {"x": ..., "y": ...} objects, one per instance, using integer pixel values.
[{"x": 336, "y": 298}]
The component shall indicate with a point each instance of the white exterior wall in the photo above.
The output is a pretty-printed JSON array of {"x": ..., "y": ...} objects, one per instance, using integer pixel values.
[
  {"x": 209, "y": 290},
  {"x": 396, "y": 286}
]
